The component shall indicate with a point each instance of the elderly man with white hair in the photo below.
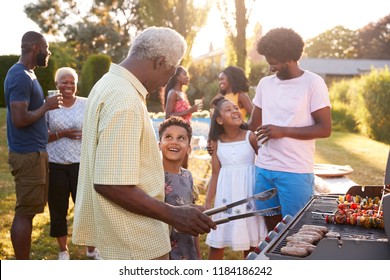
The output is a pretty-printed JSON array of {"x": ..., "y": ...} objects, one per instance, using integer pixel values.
[{"x": 120, "y": 204}]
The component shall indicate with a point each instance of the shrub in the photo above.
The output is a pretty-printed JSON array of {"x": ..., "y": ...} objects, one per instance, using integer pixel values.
[
  {"x": 45, "y": 75},
  {"x": 342, "y": 94},
  {"x": 94, "y": 68},
  {"x": 362, "y": 104},
  {"x": 342, "y": 118},
  {"x": 6, "y": 62},
  {"x": 375, "y": 92}
]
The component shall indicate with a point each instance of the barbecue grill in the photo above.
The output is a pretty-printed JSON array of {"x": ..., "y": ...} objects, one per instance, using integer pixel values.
[{"x": 353, "y": 243}]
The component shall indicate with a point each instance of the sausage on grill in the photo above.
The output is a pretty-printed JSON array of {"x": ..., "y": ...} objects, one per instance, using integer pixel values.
[
  {"x": 311, "y": 232},
  {"x": 301, "y": 244},
  {"x": 312, "y": 229},
  {"x": 300, "y": 237},
  {"x": 294, "y": 251},
  {"x": 309, "y": 236},
  {"x": 322, "y": 228}
]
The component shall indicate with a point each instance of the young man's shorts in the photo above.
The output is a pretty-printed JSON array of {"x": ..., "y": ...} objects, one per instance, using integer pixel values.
[
  {"x": 294, "y": 190},
  {"x": 30, "y": 173}
]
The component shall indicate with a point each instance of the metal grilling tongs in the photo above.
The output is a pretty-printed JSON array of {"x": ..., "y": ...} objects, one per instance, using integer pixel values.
[
  {"x": 259, "y": 196},
  {"x": 265, "y": 212}
]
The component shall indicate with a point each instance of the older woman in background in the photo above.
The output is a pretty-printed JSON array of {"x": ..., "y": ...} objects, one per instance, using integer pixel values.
[{"x": 65, "y": 131}]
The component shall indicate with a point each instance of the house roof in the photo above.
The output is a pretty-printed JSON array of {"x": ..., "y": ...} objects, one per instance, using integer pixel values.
[{"x": 342, "y": 67}]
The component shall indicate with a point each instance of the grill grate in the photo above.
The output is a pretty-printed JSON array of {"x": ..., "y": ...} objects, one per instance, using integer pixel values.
[{"x": 328, "y": 204}]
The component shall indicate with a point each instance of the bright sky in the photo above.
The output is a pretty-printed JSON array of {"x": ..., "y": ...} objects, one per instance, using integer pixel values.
[{"x": 308, "y": 17}]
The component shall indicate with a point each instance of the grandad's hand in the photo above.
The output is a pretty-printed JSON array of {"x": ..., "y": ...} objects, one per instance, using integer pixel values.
[{"x": 191, "y": 220}]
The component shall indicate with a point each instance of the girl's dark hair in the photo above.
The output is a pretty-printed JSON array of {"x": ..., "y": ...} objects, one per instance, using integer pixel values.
[
  {"x": 215, "y": 101},
  {"x": 237, "y": 79},
  {"x": 178, "y": 121},
  {"x": 282, "y": 44},
  {"x": 215, "y": 128},
  {"x": 172, "y": 82}
]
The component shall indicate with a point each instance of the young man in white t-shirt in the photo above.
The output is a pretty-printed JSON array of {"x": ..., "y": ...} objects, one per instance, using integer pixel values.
[{"x": 291, "y": 110}]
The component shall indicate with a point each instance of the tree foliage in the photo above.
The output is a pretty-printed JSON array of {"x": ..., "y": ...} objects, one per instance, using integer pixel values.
[
  {"x": 370, "y": 42},
  {"x": 102, "y": 28},
  {"x": 52, "y": 16},
  {"x": 63, "y": 53},
  {"x": 235, "y": 21},
  {"x": 182, "y": 15},
  {"x": 374, "y": 40},
  {"x": 338, "y": 42},
  {"x": 204, "y": 81},
  {"x": 107, "y": 26}
]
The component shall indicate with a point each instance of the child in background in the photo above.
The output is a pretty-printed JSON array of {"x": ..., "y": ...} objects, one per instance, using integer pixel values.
[
  {"x": 233, "y": 178},
  {"x": 175, "y": 137}
]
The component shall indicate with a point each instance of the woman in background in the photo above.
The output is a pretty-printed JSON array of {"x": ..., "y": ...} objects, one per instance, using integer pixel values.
[
  {"x": 175, "y": 99},
  {"x": 176, "y": 102},
  {"x": 64, "y": 147},
  {"x": 234, "y": 86}
]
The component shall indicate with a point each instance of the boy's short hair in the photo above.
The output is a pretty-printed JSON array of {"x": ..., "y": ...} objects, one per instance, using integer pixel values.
[{"x": 178, "y": 121}]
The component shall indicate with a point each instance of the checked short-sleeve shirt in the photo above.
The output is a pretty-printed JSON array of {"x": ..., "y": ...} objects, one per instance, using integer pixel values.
[{"x": 119, "y": 148}]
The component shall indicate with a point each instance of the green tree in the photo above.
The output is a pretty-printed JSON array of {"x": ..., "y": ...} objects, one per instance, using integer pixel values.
[
  {"x": 374, "y": 40},
  {"x": 235, "y": 21},
  {"x": 63, "y": 53},
  {"x": 184, "y": 16},
  {"x": 204, "y": 81},
  {"x": 108, "y": 26},
  {"x": 103, "y": 28},
  {"x": 338, "y": 42},
  {"x": 53, "y": 16}
]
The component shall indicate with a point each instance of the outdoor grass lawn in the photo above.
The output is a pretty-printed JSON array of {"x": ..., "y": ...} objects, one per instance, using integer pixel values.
[{"x": 367, "y": 158}]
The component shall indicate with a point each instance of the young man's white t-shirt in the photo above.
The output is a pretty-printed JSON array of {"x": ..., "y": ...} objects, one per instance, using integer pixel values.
[{"x": 289, "y": 103}]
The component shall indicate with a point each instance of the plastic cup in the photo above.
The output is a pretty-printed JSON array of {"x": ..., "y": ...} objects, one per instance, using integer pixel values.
[
  {"x": 199, "y": 103},
  {"x": 52, "y": 92}
]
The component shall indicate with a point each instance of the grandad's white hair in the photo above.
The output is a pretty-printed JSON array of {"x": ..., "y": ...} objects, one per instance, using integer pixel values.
[
  {"x": 155, "y": 41},
  {"x": 63, "y": 71}
]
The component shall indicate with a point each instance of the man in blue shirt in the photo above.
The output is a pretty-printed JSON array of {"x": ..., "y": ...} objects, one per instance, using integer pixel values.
[{"x": 27, "y": 136}]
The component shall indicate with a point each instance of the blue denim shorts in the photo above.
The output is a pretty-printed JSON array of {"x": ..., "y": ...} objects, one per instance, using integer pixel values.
[{"x": 294, "y": 190}]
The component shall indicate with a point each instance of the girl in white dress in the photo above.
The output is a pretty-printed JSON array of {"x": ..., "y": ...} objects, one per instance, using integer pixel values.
[{"x": 233, "y": 178}]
